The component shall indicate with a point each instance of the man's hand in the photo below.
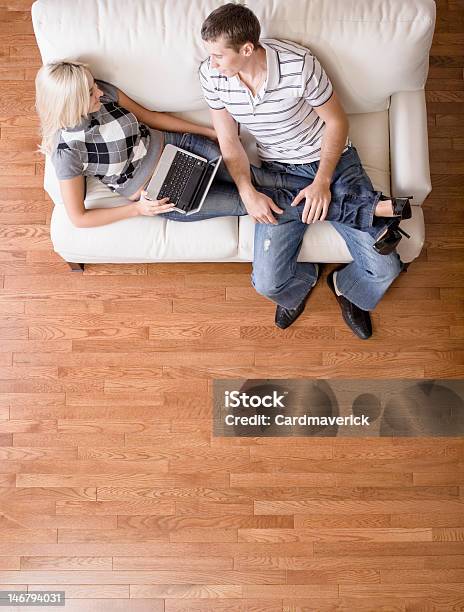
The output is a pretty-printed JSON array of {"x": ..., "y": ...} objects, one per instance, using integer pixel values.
[
  {"x": 317, "y": 197},
  {"x": 260, "y": 206}
]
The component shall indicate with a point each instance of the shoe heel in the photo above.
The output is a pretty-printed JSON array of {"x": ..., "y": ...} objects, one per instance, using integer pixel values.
[
  {"x": 407, "y": 212},
  {"x": 388, "y": 243},
  {"x": 403, "y": 232},
  {"x": 390, "y": 240}
]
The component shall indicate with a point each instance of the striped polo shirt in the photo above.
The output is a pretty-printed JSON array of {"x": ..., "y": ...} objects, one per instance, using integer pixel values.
[{"x": 281, "y": 116}]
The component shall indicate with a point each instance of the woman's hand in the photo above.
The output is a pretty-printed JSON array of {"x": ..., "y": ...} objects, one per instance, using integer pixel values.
[{"x": 150, "y": 208}]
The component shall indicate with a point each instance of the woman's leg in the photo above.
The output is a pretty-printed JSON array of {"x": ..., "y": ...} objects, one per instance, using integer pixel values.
[
  {"x": 355, "y": 210},
  {"x": 222, "y": 200}
]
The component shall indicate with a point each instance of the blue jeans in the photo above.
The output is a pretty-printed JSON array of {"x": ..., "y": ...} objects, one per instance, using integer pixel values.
[
  {"x": 276, "y": 272},
  {"x": 350, "y": 208}
]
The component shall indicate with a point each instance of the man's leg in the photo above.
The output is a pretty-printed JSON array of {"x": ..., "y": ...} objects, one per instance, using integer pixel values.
[
  {"x": 361, "y": 284},
  {"x": 365, "y": 280},
  {"x": 276, "y": 272}
]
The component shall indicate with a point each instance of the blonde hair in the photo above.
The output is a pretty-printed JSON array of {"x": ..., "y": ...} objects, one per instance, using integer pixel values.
[{"x": 62, "y": 99}]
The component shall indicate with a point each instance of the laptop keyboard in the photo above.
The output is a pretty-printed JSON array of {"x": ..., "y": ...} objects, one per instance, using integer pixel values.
[{"x": 177, "y": 178}]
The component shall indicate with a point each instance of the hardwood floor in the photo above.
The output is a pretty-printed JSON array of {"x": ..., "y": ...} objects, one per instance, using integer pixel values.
[{"x": 111, "y": 485}]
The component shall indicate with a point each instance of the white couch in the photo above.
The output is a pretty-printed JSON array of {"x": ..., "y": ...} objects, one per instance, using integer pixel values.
[{"x": 375, "y": 52}]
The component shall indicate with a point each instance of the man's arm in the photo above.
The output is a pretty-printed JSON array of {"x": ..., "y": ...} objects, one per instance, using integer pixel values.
[
  {"x": 333, "y": 142},
  {"x": 334, "y": 139},
  {"x": 258, "y": 205}
]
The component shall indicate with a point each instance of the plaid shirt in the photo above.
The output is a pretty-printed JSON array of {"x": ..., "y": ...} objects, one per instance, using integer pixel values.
[{"x": 109, "y": 144}]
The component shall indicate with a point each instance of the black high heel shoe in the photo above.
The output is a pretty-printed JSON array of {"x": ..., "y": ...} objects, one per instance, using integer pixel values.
[
  {"x": 401, "y": 206},
  {"x": 390, "y": 240}
]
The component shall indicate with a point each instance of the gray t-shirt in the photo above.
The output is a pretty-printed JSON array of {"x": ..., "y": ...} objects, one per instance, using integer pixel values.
[{"x": 109, "y": 144}]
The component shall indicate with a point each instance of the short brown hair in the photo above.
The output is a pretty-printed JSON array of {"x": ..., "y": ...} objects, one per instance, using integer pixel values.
[{"x": 235, "y": 22}]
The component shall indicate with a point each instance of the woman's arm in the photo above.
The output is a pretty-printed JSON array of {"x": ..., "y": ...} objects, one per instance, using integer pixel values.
[
  {"x": 163, "y": 121},
  {"x": 72, "y": 191}
]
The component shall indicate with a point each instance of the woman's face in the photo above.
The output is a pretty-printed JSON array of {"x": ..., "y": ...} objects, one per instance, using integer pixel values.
[{"x": 95, "y": 94}]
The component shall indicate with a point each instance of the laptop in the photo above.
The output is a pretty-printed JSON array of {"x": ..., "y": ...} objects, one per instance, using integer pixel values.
[{"x": 184, "y": 178}]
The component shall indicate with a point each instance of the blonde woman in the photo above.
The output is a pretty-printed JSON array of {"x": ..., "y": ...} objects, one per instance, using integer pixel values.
[{"x": 91, "y": 128}]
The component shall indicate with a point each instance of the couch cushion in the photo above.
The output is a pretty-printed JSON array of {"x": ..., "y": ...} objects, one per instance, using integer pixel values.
[
  {"x": 136, "y": 240},
  {"x": 144, "y": 239},
  {"x": 140, "y": 239}
]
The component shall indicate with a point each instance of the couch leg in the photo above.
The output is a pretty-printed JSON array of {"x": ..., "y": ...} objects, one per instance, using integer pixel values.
[{"x": 76, "y": 267}]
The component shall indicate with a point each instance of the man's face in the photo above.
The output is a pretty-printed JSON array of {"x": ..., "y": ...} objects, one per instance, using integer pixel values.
[{"x": 225, "y": 60}]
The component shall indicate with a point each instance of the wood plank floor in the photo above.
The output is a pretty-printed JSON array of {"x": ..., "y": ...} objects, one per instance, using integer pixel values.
[{"x": 111, "y": 486}]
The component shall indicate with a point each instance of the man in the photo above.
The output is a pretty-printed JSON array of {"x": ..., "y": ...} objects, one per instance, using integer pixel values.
[{"x": 280, "y": 92}]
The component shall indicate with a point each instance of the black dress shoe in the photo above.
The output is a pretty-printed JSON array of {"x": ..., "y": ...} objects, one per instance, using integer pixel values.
[
  {"x": 358, "y": 320},
  {"x": 284, "y": 317}
]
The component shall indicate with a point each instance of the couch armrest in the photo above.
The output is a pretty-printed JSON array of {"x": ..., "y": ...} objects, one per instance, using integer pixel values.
[{"x": 409, "y": 150}]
